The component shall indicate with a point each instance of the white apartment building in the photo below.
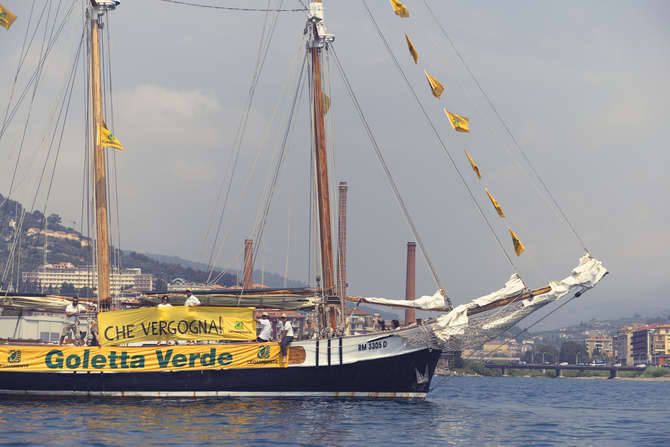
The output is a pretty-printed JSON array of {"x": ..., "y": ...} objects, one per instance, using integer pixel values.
[{"x": 55, "y": 275}]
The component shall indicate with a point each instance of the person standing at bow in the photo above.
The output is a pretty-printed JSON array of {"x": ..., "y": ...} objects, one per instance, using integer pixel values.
[
  {"x": 72, "y": 311},
  {"x": 266, "y": 329},
  {"x": 191, "y": 300},
  {"x": 285, "y": 337}
]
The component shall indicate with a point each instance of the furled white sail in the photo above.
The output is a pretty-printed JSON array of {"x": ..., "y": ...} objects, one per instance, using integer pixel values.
[
  {"x": 453, "y": 324},
  {"x": 437, "y": 301}
]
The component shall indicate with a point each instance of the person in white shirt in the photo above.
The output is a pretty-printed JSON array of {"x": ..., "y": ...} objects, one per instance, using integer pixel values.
[
  {"x": 266, "y": 329},
  {"x": 72, "y": 310},
  {"x": 165, "y": 302},
  {"x": 285, "y": 337},
  {"x": 191, "y": 300}
]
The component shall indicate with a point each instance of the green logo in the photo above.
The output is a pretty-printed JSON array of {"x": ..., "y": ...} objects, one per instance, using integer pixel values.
[
  {"x": 239, "y": 326},
  {"x": 14, "y": 356},
  {"x": 263, "y": 352}
]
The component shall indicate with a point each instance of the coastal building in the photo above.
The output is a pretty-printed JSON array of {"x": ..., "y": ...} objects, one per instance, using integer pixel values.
[
  {"x": 599, "y": 344},
  {"x": 642, "y": 344},
  {"x": 360, "y": 322},
  {"x": 622, "y": 346},
  {"x": 661, "y": 345},
  {"x": 31, "y": 232},
  {"x": 55, "y": 275}
]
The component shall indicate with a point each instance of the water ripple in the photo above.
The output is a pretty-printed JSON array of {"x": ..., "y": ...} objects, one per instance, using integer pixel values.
[{"x": 461, "y": 411}]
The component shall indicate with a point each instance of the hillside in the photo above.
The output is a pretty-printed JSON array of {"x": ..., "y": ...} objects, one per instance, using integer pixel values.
[{"x": 65, "y": 244}]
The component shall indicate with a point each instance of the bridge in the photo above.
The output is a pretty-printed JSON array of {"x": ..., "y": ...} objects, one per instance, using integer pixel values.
[{"x": 613, "y": 370}]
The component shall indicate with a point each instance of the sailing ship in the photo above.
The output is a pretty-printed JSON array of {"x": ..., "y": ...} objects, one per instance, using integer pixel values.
[{"x": 396, "y": 364}]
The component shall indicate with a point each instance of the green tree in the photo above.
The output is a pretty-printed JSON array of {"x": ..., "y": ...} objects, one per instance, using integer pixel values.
[
  {"x": 573, "y": 352},
  {"x": 53, "y": 220}
]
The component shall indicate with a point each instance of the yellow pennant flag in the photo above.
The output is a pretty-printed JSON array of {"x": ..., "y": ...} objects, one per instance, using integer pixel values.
[
  {"x": 474, "y": 165},
  {"x": 326, "y": 103},
  {"x": 435, "y": 85},
  {"x": 412, "y": 50},
  {"x": 498, "y": 208},
  {"x": 518, "y": 246},
  {"x": 107, "y": 139},
  {"x": 6, "y": 17},
  {"x": 459, "y": 123},
  {"x": 399, "y": 9}
]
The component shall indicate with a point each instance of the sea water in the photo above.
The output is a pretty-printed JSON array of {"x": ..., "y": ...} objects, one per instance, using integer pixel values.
[{"x": 476, "y": 411}]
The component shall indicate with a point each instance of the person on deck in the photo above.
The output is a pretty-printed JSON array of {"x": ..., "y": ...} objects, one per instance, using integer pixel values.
[
  {"x": 266, "y": 329},
  {"x": 285, "y": 337},
  {"x": 191, "y": 300},
  {"x": 165, "y": 302},
  {"x": 72, "y": 310}
]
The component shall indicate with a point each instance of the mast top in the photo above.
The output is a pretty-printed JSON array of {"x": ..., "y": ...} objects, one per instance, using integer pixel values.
[
  {"x": 319, "y": 37},
  {"x": 102, "y": 6}
]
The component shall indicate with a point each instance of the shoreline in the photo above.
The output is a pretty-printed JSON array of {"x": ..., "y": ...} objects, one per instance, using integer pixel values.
[{"x": 638, "y": 379}]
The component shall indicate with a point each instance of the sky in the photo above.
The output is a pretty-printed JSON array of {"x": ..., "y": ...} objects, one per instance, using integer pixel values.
[{"x": 581, "y": 85}]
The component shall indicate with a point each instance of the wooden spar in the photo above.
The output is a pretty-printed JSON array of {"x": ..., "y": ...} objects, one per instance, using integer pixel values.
[
  {"x": 474, "y": 310},
  {"x": 410, "y": 314},
  {"x": 247, "y": 283},
  {"x": 102, "y": 231},
  {"x": 506, "y": 301},
  {"x": 327, "y": 272},
  {"x": 342, "y": 250}
]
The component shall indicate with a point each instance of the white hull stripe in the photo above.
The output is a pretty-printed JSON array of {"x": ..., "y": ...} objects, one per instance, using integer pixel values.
[{"x": 201, "y": 394}]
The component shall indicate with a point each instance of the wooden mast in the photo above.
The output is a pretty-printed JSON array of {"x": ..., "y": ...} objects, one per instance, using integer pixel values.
[
  {"x": 99, "y": 7},
  {"x": 317, "y": 43}
]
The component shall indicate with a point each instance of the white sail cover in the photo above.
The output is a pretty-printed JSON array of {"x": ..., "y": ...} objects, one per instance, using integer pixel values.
[
  {"x": 454, "y": 324},
  {"x": 456, "y": 321},
  {"x": 437, "y": 301}
]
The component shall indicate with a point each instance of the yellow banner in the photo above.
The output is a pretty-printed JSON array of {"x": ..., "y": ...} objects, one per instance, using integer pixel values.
[
  {"x": 138, "y": 359},
  {"x": 176, "y": 323}
]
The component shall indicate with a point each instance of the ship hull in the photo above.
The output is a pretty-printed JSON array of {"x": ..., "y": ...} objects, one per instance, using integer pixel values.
[{"x": 405, "y": 376}]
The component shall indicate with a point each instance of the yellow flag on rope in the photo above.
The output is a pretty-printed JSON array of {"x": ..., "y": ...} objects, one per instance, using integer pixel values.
[
  {"x": 474, "y": 165},
  {"x": 496, "y": 205},
  {"x": 518, "y": 246},
  {"x": 435, "y": 85},
  {"x": 107, "y": 139},
  {"x": 412, "y": 50},
  {"x": 459, "y": 123},
  {"x": 6, "y": 17},
  {"x": 326, "y": 103},
  {"x": 399, "y": 9}
]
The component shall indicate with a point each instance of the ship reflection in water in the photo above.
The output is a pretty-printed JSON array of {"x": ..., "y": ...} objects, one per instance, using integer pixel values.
[{"x": 460, "y": 411}]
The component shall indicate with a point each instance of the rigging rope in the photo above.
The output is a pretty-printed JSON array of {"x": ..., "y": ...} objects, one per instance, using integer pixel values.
[
  {"x": 230, "y": 8},
  {"x": 35, "y": 78},
  {"x": 117, "y": 251},
  {"x": 23, "y": 94},
  {"x": 282, "y": 156},
  {"x": 506, "y": 127},
  {"x": 22, "y": 58},
  {"x": 67, "y": 95},
  {"x": 394, "y": 187},
  {"x": 437, "y": 134},
  {"x": 264, "y": 143},
  {"x": 263, "y": 48}
]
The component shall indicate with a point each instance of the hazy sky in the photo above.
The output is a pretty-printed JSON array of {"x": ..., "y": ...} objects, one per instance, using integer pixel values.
[{"x": 582, "y": 85}]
